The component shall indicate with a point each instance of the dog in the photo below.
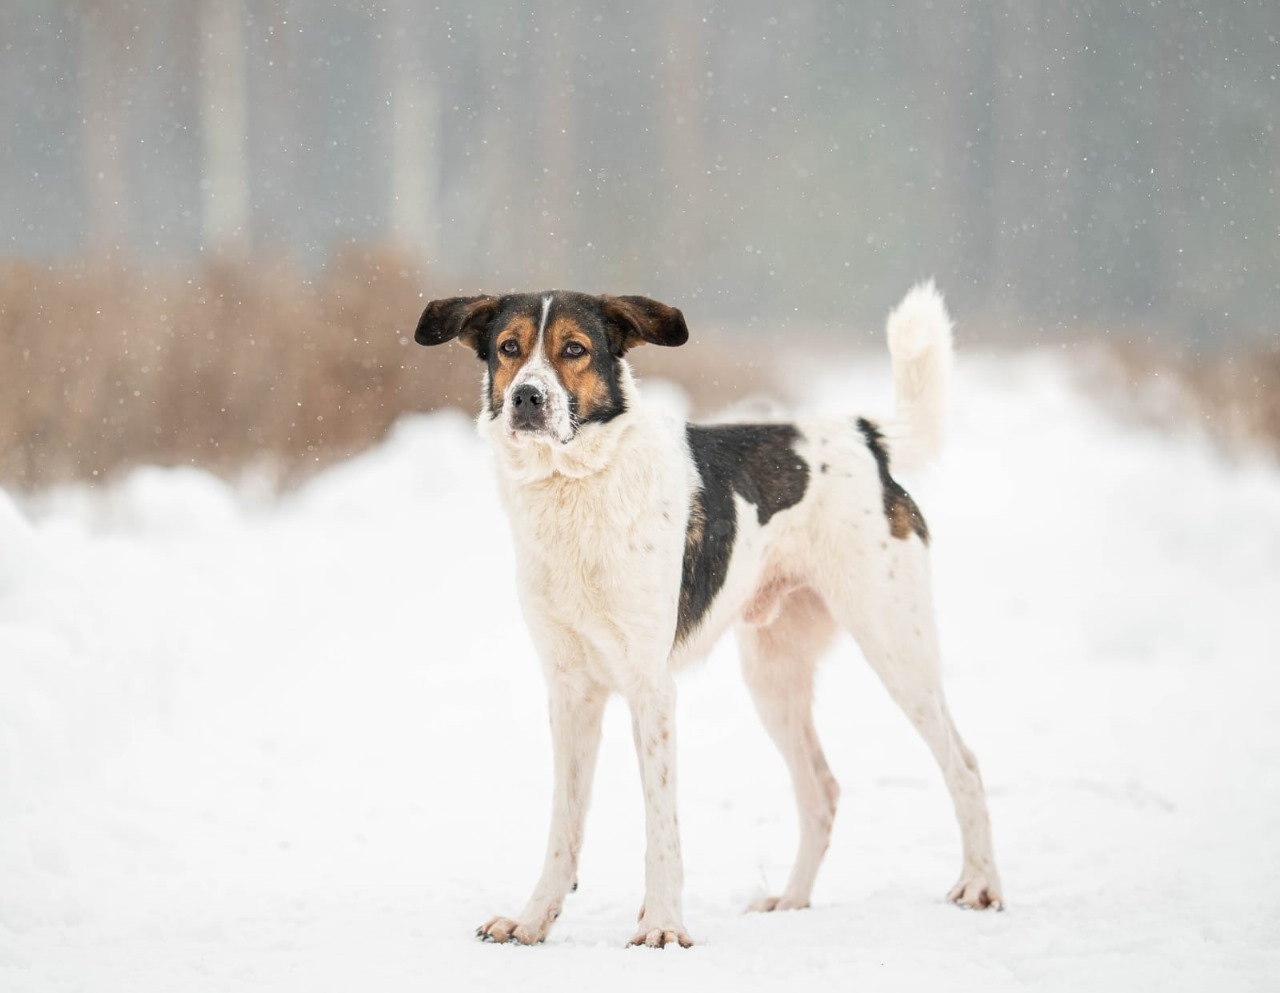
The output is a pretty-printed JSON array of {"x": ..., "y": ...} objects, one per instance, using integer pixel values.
[{"x": 641, "y": 539}]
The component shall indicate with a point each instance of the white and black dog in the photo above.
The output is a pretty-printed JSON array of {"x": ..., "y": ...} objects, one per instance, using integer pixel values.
[{"x": 640, "y": 539}]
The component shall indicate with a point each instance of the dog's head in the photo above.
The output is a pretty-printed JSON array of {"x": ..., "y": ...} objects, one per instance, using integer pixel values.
[{"x": 555, "y": 360}]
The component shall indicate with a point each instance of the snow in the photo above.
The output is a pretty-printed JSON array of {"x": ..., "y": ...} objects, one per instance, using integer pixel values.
[{"x": 300, "y": 744}]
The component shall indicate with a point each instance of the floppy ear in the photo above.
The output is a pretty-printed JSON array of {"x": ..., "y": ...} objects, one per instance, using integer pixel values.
[
  {"x": 464, "y": 318},
  {"x": 639, "y": 319}
]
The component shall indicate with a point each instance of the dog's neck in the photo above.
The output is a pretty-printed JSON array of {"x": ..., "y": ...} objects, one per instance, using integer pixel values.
[{"x": 591, "y": 450}]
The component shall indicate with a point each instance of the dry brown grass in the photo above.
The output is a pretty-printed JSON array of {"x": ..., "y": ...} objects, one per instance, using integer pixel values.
[
  {"x": 223, "y": 367},
  {"x": 1232, "y": 396},
  {"x": 231, "y": 366}
]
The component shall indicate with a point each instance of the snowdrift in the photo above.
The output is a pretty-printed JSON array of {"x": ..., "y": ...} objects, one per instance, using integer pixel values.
[{"x": 301, "y": 744}]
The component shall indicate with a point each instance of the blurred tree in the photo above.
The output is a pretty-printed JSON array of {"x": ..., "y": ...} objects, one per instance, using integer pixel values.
[
  {"x": 413, "y": 210},
  {"x": 681, "y": 119},
  {"x": 281, "y": 157},
  {"x": 224, "y": 126},
  {"x": 556, "y": 58},
  {"x": 1017, "y": 181},
  {"x": 1057, "y": 164},
  {"x": 109, "y": 57}
]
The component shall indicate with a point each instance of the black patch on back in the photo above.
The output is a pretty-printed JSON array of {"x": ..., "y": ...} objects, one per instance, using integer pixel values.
[
  {"x": 759, "y": 463},
  {"x": 901, "y": 511}
]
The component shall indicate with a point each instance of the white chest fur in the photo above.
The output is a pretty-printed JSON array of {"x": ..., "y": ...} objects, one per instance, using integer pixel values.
[{"x": 600, "y": 539}]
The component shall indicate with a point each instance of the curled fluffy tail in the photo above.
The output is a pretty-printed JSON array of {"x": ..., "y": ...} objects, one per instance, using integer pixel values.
[{"x": 920, "y": 350}]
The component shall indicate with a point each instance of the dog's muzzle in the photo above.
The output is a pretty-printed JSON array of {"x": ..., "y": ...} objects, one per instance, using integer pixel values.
[{"x": 529, "y": 408}]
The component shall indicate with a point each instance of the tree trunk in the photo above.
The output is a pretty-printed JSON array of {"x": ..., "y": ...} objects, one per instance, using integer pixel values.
[
  {"x": 557, "y": 151},
  {"x": 414, "y": 192},
  {"x": 1017, "y": 180},
  {"x": 685, "y": 240},
  {"x": 103, "y": 42},
  {"x": 224, "y": 125}
]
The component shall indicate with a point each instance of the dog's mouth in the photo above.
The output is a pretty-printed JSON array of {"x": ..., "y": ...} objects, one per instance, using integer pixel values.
[
  {"x": 528, "y": 419},
  {"x": 520, "y": 426},
  {"x": 537, "y": 424},
  {"x": 536, "y": 432}
]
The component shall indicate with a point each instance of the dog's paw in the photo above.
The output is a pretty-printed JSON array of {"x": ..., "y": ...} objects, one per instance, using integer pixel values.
[
  {"x": 504, "y": 929},
  {"x": 767, "y": 904},
  {"x": 977, "y": 892},
  {"x": 660, "y": 937}
]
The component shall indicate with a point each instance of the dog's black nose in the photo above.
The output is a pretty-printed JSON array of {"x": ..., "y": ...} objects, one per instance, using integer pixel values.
[{"x": 528, "y": 398}]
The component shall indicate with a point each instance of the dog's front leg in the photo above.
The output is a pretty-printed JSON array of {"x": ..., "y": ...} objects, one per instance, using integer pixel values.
[
  {"x": 576, "y": 711},
  {"x": 653, "y": 724}
]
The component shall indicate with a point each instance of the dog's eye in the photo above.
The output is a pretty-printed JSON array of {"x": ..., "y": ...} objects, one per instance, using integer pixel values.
[
  {"x": 574, "y": 350},
  {"x": 510, "y": 347}
]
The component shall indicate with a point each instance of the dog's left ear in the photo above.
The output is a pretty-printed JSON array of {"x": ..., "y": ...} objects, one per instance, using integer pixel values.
[
  {"x": 637, "y": 320},
  {"x": 464, "y": 318}
]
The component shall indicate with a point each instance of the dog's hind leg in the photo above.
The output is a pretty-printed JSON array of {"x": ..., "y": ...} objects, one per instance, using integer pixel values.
[
  {"x": 893, "y": 623},
  {"x": 778, "y": 661},
  {"x": 576, "y": 711}
]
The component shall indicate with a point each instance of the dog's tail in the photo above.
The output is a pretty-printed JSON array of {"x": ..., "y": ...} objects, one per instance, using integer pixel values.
[{"x": 919, "y": 332}]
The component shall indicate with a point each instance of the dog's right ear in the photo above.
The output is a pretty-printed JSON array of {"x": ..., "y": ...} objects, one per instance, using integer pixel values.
[{"x": 465, "y": 318}]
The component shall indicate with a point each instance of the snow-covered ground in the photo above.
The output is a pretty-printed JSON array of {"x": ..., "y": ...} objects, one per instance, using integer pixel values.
[{"x": 301, "y": 744}]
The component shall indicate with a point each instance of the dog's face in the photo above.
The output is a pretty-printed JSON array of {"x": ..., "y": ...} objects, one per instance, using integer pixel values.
[{"x": 554, "y": 359}]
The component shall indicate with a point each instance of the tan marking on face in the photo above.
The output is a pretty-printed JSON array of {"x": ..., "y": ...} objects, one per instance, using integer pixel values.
[
  {"x": 579, "y": 376},
  {"x": 524, "y": 331}
]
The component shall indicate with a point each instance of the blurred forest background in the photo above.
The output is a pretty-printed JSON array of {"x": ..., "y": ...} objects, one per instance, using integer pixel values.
[{"x": 219, "y": 219}]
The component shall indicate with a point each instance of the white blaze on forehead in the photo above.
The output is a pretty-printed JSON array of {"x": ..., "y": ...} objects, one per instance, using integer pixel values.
[
  {"x": 542, "y": 321},
  {"x": 538, "y": 357}
]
